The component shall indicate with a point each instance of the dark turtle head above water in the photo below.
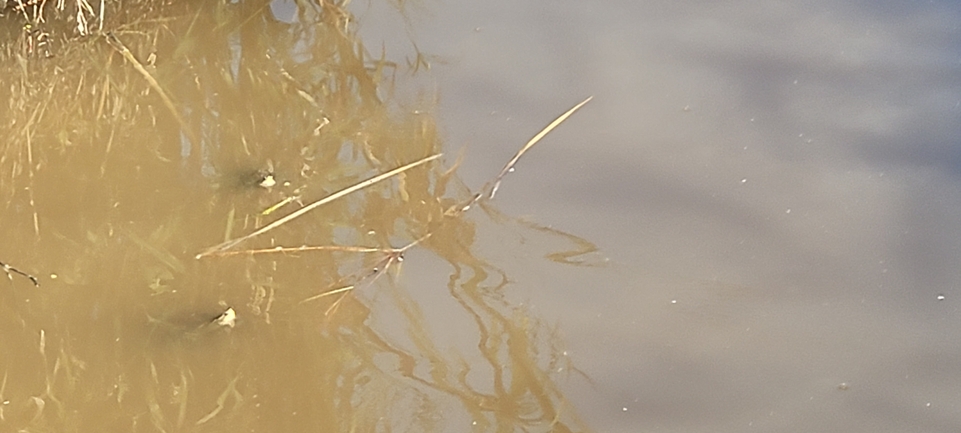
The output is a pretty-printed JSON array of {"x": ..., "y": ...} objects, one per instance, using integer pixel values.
[
  {"x": 263, "y": 179},
  {"x": 250, "y": 179}
]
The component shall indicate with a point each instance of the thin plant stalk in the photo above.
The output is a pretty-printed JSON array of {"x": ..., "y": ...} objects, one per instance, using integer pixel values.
[
  {"x": 299, "y": 212},
  {"x": 118, "y": 45},
  {"x": 490, "y": 189}
]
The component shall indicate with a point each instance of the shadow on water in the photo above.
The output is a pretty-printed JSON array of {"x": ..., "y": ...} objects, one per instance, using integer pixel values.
[{"x": 168, "y": 128}]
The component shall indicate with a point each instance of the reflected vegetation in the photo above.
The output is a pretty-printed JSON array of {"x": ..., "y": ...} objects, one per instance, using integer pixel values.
[{"x": 134, "y": 139}]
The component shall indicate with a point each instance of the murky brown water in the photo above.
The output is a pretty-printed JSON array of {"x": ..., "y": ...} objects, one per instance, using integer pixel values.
[
  {"x": 129, "y": 157},
  {"x": 774, "y": 190}
]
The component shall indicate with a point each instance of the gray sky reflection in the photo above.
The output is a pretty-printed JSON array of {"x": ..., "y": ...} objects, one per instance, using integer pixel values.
[{"x": 805, "y": 152}]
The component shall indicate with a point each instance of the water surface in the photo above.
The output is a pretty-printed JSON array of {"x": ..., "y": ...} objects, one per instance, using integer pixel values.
[
  {"x": 776, "y": 186},
  {"x": 773, "y": 189}
]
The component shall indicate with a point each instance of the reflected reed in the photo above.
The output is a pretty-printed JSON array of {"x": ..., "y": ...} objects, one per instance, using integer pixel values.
[{"x": 120, "y": 131}]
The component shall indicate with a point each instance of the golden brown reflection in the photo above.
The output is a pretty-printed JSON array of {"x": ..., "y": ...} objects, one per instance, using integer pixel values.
[{"x": 128, "y": 151}]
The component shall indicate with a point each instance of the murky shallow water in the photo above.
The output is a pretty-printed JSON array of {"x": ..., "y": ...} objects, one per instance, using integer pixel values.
[
  {"x": 775, "y": 187},
  {"x": 151, "y": 174}
]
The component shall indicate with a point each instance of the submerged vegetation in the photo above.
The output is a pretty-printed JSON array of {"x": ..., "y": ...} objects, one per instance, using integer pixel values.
[{"x": 167, "y": 303}]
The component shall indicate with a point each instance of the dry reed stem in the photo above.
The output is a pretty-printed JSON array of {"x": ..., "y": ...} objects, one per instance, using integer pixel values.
[
  {"x": 302, "y": 248},
  {"x": 328, "y": 293},
  {"x": 358, "y": 186},
  {"x": 230, "y": 391},
  {"x": 3, "y": 387},
  {"x": 393, "y": 255},
  {"x": 279, "y": 205},
  {"x": 115, "y": 42},
  {"x": 494, "y": 184}
]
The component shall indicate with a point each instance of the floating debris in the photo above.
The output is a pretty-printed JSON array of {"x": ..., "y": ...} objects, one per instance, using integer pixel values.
[{"x": 10, "y": 270}]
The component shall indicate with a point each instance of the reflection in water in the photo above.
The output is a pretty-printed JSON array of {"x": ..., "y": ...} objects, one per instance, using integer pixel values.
[{"x": 114, "y": 161}]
